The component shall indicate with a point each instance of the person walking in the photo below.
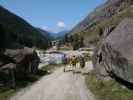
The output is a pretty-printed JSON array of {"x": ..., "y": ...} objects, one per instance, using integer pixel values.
[
  {"x": 82, "y": 61},
  {"x": 65, "y": 62},
  {"x": 74, "y": 61}
]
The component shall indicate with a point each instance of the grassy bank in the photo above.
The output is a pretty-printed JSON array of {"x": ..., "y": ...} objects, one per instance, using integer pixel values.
[
  {"x": 108, "y": 90},
  {"x": 5, "y": 93}
]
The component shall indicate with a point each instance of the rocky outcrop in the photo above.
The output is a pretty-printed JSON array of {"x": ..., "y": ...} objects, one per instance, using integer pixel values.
[
  {"x": 114, "y": 53},
  {"x": 25, "y": 60},
  {"x": 18, "y": 62}
]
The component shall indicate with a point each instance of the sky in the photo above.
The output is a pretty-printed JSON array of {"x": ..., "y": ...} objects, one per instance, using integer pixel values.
[{"x": 52, "y": 15}]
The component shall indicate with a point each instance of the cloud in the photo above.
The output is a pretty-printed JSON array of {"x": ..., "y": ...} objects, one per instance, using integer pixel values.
[
  {"x": 61, "y": 24},
  {"x": 45, "y": 27}
]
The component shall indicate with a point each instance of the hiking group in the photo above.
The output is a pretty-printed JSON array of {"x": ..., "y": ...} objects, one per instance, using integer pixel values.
[{"x": 73, "y": 61}]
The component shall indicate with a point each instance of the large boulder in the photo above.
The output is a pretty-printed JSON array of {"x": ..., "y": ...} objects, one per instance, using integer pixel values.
[
  {"x": 17, "y": 62},
  {"x": 114, "y": 53},
  {"x": 25, "y": 59}
]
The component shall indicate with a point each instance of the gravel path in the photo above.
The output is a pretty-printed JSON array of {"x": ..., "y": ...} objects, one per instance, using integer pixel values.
[{"x": 57, "y": 86}]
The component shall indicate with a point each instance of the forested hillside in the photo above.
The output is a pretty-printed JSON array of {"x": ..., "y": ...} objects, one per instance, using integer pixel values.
[{"x": 16, "y": 32}]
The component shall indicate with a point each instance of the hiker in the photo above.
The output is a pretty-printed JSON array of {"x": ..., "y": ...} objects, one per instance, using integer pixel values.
[
  {"x": 73, "y": 61},
  {"x": 82, "y": 61},
  {"x": 65, "y": 61}
]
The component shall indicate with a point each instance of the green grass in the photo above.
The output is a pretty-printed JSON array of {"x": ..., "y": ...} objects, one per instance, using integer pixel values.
[
  {"x": 107, "y": 90},
  {"x": 6, "y": 93},
  {"x": 64, "y": 49}
]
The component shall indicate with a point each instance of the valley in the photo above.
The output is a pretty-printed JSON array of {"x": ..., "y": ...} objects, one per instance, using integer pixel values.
[{"x": 61, "y": 60}]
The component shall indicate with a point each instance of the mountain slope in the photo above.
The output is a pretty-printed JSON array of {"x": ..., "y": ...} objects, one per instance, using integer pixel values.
[
  {"x": 46, "y": 33},
  {"x": 92, "y": 26},
  {"x": 16, "y": 32}
]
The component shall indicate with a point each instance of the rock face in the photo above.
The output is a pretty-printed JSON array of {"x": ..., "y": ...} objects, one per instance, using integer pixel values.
[
  {"x": 105, "y": 15},
  {"x": 114, "y": 53},
  {"x": 21, "y": 60},
  {"x": 17, "y": 62},
  {"x": 101, "y": 13}
]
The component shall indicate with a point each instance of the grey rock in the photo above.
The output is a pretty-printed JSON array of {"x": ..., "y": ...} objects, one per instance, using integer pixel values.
[
  {"x": 8, "y": 66},
  {"x": 114, "y": 53},
  {"x": 25, "y": 59},
  {"x": 17, "y": 62}
]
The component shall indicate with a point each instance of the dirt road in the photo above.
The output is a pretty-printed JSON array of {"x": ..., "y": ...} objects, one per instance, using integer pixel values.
[{"x": 57, "y": 86}]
